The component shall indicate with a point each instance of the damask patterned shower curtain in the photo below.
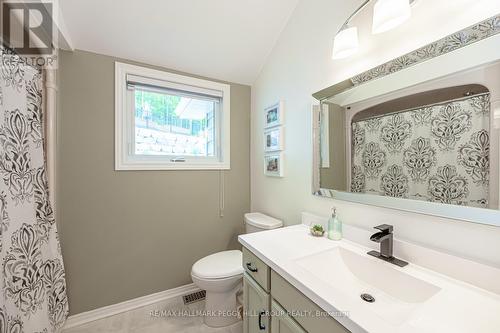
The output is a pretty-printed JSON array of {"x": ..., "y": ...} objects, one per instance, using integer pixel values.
[
  {"x": 32, "y": 279},
  {"x": 437, "y": 153}
]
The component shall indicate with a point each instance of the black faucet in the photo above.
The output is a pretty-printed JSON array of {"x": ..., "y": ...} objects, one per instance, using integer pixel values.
[{"x": 385, "y": 238}]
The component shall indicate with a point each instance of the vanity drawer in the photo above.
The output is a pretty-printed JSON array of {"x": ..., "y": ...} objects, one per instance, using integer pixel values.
[
  {"x": 293, "y": 300},
  {"x": 256, "y": 268}
]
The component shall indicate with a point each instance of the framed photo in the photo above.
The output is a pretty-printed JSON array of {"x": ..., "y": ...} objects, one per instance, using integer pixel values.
[
  {"x": 273, "y": 165},
  {"x": 274, "y": 115},
  {"x": 273, "y": 139}
]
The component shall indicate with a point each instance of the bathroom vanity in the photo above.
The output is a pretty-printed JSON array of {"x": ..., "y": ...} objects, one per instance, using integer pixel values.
[
  {"x": 295, "y": 282},
  {"x": 271, "y": 309},
  {"x": 267, "y": 307}
]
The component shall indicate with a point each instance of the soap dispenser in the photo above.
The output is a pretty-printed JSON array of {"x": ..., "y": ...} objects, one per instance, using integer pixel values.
[{"x": 334, "y": 226}]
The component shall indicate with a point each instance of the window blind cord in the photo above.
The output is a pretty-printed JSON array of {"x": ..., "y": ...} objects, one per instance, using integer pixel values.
[{"x": 222, "y": 189}]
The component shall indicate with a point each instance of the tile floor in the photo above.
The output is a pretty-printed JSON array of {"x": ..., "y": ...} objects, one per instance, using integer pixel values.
[{"x": 152, "y": 319}]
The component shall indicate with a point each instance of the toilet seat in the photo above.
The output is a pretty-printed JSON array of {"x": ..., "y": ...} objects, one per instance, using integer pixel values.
[
  {"x": 219, "y": 265},
  {"x": 221, "y": 276}
]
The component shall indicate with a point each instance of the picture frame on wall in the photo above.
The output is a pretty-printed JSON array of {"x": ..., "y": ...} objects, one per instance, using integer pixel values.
[
  {"x": 273, "y": 139},
  {"x": 274, "y": 115},
  {"x": 273, "y": 165}
]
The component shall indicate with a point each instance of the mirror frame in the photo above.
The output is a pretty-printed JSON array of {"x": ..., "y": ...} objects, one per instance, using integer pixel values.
[{"x": 471, "y": 47}]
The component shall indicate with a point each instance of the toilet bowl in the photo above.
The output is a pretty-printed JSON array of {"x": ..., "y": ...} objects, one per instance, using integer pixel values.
[{"x": 221, "y": 276}]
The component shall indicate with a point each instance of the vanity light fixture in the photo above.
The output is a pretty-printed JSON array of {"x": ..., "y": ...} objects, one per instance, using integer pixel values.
[
  {"x": 387, "y": 14},
  {"x": 346, "y": 42}
]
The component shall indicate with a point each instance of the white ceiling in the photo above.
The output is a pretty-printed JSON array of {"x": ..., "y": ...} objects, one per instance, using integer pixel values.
[{"x": 222, "y": 39}]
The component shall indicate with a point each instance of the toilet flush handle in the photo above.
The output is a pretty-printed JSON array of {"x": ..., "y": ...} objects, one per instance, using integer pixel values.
[{"x": 250, "y": 268}]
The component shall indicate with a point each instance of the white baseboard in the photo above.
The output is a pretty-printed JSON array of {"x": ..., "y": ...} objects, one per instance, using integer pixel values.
[{"x": 111, "y": 310}]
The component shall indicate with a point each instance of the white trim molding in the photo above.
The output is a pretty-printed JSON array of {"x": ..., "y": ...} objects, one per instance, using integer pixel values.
[{"x": 111, "y": 310}]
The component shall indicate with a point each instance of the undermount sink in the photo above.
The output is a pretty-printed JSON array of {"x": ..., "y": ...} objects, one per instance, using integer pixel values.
[{"x": 396, "y": 294}]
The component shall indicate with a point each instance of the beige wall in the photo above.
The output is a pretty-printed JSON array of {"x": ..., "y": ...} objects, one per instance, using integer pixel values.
[
  {"x": 335, "y": 176},
  {"x": 132, "y": 233}
]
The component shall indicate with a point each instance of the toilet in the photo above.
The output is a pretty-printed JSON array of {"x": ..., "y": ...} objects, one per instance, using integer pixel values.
[{"x": 221, "y": 275}]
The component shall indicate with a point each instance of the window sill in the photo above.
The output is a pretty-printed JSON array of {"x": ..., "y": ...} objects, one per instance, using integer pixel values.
[{"x": 170, "y": 167}]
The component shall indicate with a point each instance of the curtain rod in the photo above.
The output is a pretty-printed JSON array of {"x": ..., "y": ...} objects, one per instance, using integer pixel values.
[{"x": 421, "y": 107}]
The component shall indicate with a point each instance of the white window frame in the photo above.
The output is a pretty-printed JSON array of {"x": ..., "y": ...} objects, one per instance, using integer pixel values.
[{"x": 125, "y": 159}]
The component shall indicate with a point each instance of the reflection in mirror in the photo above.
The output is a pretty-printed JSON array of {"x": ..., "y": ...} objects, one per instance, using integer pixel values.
[
  {"x": 434, "y": 142},
  {"x": 333, "y": 136}
]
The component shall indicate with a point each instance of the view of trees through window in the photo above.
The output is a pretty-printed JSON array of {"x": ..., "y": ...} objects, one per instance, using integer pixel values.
[{"x": 165, "y": 124}]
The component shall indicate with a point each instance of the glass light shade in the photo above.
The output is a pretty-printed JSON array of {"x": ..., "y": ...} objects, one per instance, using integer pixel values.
[
  {"x": 345, "y": 43},
  {"x": 388, "y": 14}
]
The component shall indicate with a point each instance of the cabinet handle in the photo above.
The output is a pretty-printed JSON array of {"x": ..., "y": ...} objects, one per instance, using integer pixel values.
[
  {"x": 250, "y": 268},
  {"x": 261, "y": 326}
]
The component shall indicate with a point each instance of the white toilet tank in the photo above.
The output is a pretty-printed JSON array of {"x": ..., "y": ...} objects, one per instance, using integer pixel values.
[{"x": 259, "y": 222}]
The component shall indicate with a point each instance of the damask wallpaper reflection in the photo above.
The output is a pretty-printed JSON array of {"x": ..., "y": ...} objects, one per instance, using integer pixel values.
[{"x": 438, "y": 153}]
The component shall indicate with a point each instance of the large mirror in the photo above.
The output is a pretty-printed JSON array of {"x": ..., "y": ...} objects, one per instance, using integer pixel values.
[{"x": 419, "y": 133}]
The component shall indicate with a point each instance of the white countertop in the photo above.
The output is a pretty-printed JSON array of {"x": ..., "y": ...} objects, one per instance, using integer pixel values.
[{"x": 458, "y": 307}]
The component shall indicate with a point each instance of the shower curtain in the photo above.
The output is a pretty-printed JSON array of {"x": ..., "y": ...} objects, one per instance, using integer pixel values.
[
  {"x": 32, "y": 279},
  {"x": 437, "y": 153}
]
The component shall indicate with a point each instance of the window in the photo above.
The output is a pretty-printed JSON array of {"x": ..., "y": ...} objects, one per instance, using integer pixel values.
[{"x": 167, "y": 121}]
